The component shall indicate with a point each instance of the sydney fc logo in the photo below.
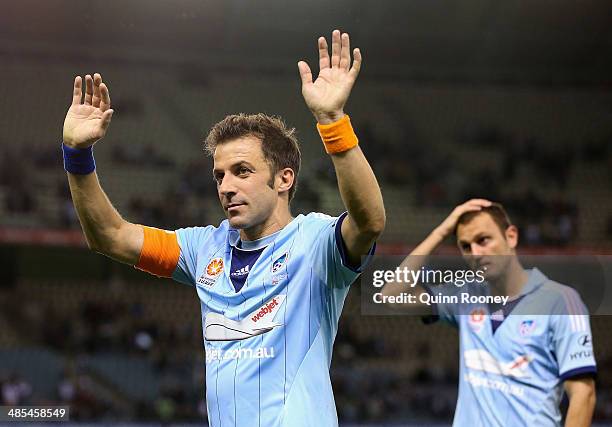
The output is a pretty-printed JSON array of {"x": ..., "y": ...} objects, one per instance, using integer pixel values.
[
  {"x": 278, "y": 264},
  {"x": 526, "y": 327}
]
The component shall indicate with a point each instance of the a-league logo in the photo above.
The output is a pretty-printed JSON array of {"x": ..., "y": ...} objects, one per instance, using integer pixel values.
[
  {"x": 476, "y": 319},
  {"x": 212, "y": 272},
  {"x": 215, "y": 267}
]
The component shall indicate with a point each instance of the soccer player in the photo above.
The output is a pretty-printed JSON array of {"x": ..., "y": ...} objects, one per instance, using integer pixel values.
[
  {"x": 271, "y": 286},
  {"x": 515, "y": 359}
]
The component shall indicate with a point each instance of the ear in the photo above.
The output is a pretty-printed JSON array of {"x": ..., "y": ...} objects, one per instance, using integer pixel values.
[
  {"x": 284, "y": 179},
  {"x": 512, "y": 236}
]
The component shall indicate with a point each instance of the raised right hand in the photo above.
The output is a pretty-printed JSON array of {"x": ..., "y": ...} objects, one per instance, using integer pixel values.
[
  {"x": 87, "y": 122},
  {"x": 447, "y": 227}
]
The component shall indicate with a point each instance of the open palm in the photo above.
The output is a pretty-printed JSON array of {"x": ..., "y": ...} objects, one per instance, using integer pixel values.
[
  {"x": 327, "y": 95},
  {"x": 88, "y": 121}
]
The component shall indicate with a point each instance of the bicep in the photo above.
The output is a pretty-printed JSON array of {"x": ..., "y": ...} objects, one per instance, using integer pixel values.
[
  {"x": 357, "y": 243},
  {"x": 126, "y": 243},
  {"x": 582, "y": 385}
]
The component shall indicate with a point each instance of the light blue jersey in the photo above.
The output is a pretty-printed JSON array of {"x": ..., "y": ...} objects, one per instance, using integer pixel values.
[
  {"x": 269, "y": 345},
  {"x": 513, "y": 376}
]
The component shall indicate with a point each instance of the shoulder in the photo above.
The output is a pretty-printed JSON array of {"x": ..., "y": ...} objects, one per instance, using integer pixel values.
[
  {"x": 316, "y": 224},
  {"x": 562, "y": 298},
  {"x": 319, "y": 217},
  {"x": 321, "y": 220},
  {"x": 198, "y": 234}
]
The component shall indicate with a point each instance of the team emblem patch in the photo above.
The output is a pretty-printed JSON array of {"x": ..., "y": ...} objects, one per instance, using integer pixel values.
[
  {"x": 277, "y": 265},
  {"x": 526, "y": 327},
  {"x": 212, "y": 272}
]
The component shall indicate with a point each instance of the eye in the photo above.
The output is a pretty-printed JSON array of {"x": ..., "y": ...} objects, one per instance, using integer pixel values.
[
  {"x": 465, "y": 247},
  {"x": 243, "y": 170},
  {"x": 218, "y": 179},
  {"x": 483, "y": 240}
]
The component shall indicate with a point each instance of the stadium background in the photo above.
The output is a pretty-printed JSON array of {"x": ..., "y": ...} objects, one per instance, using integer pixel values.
[{"x": 507, "y": 100}]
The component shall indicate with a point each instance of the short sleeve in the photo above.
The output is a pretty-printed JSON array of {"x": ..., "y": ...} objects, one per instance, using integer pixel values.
[
  {"x": 190, "y": 240},
  {"x": 445, "y": 312},
  {"x": 571, "y": 336},
  {"x": 332, "y": 253}
]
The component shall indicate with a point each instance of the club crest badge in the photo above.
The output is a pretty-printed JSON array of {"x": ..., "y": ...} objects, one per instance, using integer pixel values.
[
  {"x": 526, "y": 327},
  {"x": 278, "y": 264}
]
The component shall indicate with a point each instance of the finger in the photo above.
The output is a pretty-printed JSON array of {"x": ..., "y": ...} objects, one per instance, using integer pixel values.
[
  {"x": 106, "y": 119},
  {"x": 88, "y": 89},
  {"x": 473, "y": 206},
  {"x": 305, "y": 73},
  {"x": 470, "y": 208},
  {"x": 336, "y": 47},
  {"x": 354, "y": 71},
  {"x": 97, "y": 79},
  {"x": 479, "y": 202},
  {"x": 345, "y": 52},
  {"x": 77, "y": 91},
  {"x": 323, "y": 54},
  {"x": 105, "y": 101}
]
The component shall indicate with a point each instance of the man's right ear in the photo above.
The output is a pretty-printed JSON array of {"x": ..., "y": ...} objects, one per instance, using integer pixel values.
[
  {"x": 512, "y": 236},
  {"x": 285, "y": 179}
]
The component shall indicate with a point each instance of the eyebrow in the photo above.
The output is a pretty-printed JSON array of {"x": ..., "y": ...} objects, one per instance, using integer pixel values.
[
  {"x": 234, "y": 166},
  {"x": 476, "y": 237}
]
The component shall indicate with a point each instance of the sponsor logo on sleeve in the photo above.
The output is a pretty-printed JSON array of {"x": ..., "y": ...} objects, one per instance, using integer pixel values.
[
  {"x": 585, "y": 341},
  {"x": 583, "y": 354}
]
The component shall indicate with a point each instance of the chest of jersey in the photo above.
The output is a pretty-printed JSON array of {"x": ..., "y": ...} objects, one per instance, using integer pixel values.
[{"x": 520, "y": 348}]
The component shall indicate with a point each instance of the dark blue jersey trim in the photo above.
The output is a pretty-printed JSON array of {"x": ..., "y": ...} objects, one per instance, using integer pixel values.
[
  {"x": 342, "y": 247},
  {"x": 434, "y": 316},
  {"x": 576, "y": 372}
]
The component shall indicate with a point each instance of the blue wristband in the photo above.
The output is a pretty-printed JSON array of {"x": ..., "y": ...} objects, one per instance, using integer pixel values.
[{"x": 79, "y": 161}]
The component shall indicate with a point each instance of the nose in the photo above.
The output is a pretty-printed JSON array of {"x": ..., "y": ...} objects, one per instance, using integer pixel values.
[
  {"x": 476, "y": 249},
  {"x": 227, "y": 187}
]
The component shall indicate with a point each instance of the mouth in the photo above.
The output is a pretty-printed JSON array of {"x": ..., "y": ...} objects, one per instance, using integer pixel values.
[
  {"x": 230, "y": 207},
  {"x": 484, "y": 266}
]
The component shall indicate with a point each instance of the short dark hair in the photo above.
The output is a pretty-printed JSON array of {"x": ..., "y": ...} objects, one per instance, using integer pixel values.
[
  {"x": 496, "y": 211},
  {"x": 278, "y": 142}
]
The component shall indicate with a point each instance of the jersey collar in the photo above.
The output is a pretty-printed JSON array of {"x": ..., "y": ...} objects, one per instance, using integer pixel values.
[
  {"x": 252, "y": 245},
  {"x": 535, "y": 280}
]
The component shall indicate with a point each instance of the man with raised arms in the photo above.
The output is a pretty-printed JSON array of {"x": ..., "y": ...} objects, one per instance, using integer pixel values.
[
  {"x": 271, "y": 286},
  {"x": 516, "y": 357}
]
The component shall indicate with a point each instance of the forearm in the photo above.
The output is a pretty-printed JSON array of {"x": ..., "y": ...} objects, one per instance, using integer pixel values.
[
  {"x": 99, "y": 220},
  {"x": 580, "y": 410},
  {"x": 359, "y": 191},
  {"x": 414, "y": 262}
]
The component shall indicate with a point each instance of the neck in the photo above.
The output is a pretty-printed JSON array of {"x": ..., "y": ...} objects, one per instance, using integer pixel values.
[
  {"x": 275, "y": 222},
  {"x": 512, "y": 281}
]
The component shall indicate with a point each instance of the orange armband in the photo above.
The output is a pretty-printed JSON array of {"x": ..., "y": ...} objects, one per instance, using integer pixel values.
[
  {"x": 160, "y": 252},
  {"x": 338, "y": 136}
]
